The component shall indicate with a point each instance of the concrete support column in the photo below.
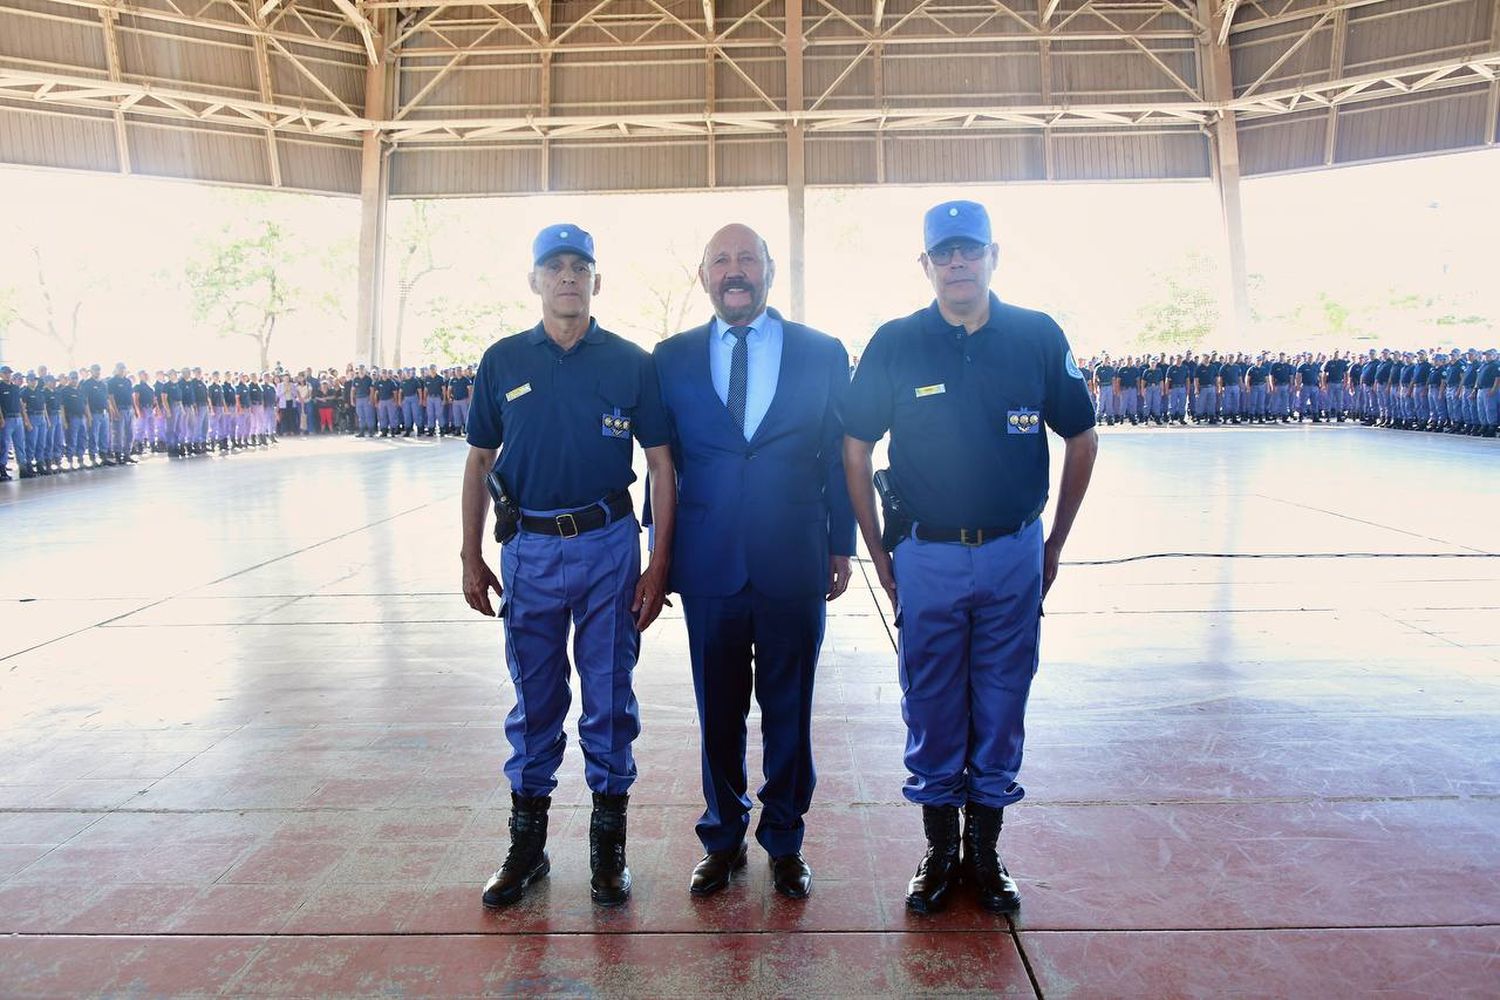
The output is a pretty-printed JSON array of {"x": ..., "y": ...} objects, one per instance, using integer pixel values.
[
  {"x": 374, "y": 189},
  {"x": 796, "y": 164},
  {"x": 1224, "y": 146}
]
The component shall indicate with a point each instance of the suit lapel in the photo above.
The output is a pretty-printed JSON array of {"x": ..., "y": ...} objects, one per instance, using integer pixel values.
[{"x": 793, "y": 364}]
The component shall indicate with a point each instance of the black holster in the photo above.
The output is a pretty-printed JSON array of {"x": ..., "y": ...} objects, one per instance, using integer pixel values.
[
  {"x": 894, "y": 514},
  {"x": 507, "y": 511}
]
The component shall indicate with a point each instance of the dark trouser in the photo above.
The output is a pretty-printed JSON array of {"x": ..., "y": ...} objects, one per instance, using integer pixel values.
[{"x": 785, "y": 637}]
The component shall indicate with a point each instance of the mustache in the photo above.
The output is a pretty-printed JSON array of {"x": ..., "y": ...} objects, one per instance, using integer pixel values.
[{"x": 736, "y": 284}]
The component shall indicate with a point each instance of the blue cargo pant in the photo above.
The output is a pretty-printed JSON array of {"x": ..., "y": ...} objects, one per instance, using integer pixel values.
[
  {"x": 434, "y": 414},
  {"x": 1177, "y": 403},
  {"x": 970, "y": 623},
  {"x": 390, "y": 415},
  {"x": 1153, "y": 407},
  {"x": 411, "y": 412},
  {"x": 1232, "y": 395},
  {"x": 1106, "y": 404},
  {"x": 1307, "y": 402},
  {"x": 588, "y": 580},
  {"x": 39, "y": 439},
  {"x": 364, "y": 415},
  {"x": 1208, "y": 403},
  {"x": 461, "y": 415},
  {"x": 98, "y": 435},
  {"x": 58, "y": 448},
  {"x": 13, "y": 440},
  {"x": 1130, "y": 404}
]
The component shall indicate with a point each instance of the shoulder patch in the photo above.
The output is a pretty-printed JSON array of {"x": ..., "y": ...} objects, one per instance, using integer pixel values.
[{"x": 1072, "y": 366}]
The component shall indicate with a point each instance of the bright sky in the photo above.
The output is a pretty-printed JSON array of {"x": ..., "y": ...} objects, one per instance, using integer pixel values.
[{"x": 1090, "y": 254}]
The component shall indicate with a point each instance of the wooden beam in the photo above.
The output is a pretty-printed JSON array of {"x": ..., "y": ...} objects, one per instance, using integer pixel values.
[
  {"x": 708, "y": 18},
  {"x": 1049, "y": 10}
]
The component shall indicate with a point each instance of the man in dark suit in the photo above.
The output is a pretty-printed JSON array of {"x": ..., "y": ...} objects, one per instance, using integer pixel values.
[{"x": 763, "y": 539}]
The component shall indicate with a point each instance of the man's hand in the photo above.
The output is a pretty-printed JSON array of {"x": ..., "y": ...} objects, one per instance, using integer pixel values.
[
  {"x": 885, "y": 573},
  {"x": 479, "y": 580},
  {"x": 838, "y": 577},
  {"x": 650, "y": 595},
  {"x": 1051, "y": 556}
]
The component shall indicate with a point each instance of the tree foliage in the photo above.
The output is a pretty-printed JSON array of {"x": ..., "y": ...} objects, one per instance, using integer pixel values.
[
  {"x": 463, "y": 329},
  {"x": 245, "y": 280},
  {"x": 1186, "y": 309}
]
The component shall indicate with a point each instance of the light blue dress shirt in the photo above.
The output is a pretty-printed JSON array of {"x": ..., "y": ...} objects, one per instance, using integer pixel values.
[{"x": 764, "y": 346}]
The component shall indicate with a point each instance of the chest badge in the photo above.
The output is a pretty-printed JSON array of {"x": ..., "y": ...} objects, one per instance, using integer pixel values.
[
  {"x": 1022, "y": 421},
  {"x": 923, "y": 391},
  {"x": 616, "y": 425},
  {"x": 518, "y": 392}
]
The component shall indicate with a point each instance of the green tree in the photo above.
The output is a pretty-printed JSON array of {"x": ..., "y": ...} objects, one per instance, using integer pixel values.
[
  {"x": 1185, "y": 311},
  {"x": 244, "y": 281},
  {"x": 463, "y": 329}
]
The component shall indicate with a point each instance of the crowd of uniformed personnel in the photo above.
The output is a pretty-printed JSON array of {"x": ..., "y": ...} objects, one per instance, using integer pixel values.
[
  {"x": 81, "y": 419},
  {"x": 1448, "y": 391}
]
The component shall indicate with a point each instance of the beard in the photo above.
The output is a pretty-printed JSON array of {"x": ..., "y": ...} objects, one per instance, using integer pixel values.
[{"x": 736, "y": 315}]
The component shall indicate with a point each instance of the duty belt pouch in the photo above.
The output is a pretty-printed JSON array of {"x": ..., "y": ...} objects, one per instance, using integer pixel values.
[
  {"x": 507, "y": 511},
  {"x": 893, "y": 513}
]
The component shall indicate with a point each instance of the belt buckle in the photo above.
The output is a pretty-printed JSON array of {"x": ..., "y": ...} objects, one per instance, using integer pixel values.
[
  {"x": 972, "y": 537},
  {"x": 564, "y": 523}
]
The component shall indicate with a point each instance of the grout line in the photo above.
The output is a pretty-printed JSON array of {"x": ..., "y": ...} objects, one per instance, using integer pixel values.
[
  {"x": 720, "y": 932},
  {"x": 1015, "y": 937}
]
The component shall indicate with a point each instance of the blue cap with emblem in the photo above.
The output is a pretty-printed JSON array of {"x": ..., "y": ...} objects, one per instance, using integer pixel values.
[
  {"x": 562, "y": 238},
  {"x": 956, "y": 220}
]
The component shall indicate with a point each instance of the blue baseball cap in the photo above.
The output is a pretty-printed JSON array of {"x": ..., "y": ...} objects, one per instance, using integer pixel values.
[
  {"x": 956, "y": 220},
  {"x": 562, "y": 238}
]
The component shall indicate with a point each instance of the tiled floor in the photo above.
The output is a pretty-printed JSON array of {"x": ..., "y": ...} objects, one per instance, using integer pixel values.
[{"x": 250, "y": 745}]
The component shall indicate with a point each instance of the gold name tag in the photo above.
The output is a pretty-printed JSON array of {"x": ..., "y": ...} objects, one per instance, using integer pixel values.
[
  {"x": 931, "y": 390},
  {"x": 517, "y": 392}
]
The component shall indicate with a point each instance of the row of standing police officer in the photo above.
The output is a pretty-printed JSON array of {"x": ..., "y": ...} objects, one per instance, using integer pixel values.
[{"x": 1451, "y": 391}]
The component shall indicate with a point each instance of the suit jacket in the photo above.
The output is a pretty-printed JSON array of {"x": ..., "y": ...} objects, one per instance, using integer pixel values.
[{"x": 770, "y": 511}]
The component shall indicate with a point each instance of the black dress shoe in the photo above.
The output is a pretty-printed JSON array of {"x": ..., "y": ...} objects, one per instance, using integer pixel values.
[
  {"x": 714, "y": 871},
  {"x": 791, "y": 876}
]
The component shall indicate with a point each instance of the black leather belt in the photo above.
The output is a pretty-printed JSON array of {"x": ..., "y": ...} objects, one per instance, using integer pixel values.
[
  {"x": 576, "y": 522},
  {"x": 973, "y": 536}
]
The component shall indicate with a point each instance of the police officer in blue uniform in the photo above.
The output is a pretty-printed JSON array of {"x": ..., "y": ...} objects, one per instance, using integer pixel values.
[
  {"x": 14, "y": 427},
  {"x": 460, "y": 388},
  {"x": 362, "y": 402},
  {"x": 559, "y": 405},
  {"x": 967, "y": 389}
]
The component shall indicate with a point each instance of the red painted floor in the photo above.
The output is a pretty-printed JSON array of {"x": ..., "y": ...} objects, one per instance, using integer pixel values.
[{"x": 250, "y": 745}]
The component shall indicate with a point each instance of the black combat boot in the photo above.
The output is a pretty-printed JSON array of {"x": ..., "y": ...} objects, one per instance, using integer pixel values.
[
  {"x": 610, "y": 884},
  {"x": 527, "y": 859},
  {"x": 982, "y": 867},
  {"x": 938, "y": 871}
]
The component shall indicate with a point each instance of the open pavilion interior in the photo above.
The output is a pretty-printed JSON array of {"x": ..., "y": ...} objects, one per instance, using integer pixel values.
[{"x": 251, "y": 739}]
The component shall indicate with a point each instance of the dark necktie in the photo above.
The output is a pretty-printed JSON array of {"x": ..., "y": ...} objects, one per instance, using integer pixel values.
[{"x": 739, "y": 375}]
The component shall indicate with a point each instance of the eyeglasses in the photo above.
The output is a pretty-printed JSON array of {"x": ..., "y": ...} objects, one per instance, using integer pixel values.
[{"x": 969, "y": 251}]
